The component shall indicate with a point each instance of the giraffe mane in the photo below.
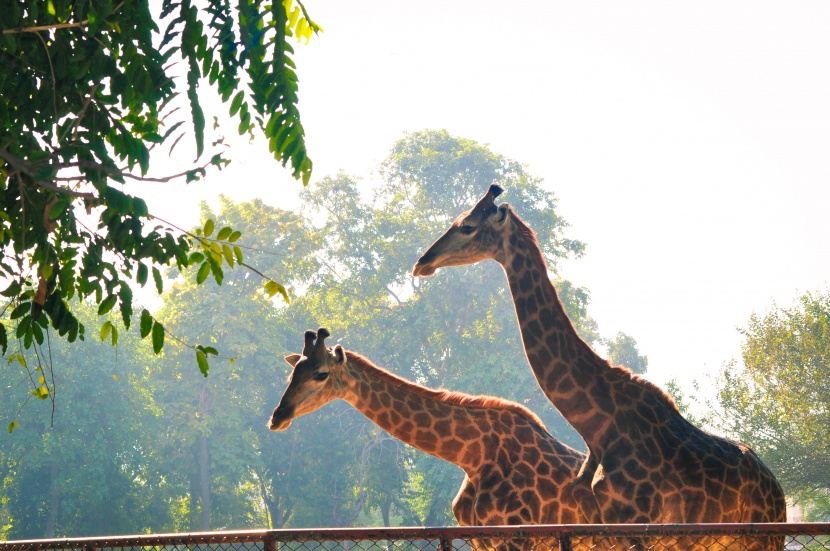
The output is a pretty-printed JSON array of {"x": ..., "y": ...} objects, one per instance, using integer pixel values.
[
  {"x": 621, "y": 371},
  {"x": 659, "y": 393},
  {"x": 530, "y": 235},
  {"x": 447, "y": 396}
]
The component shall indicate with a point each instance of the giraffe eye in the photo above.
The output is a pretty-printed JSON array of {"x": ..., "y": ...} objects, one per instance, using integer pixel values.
[
  {"x": 467, "y": 230},
  {"x": 320, "y": 376}
]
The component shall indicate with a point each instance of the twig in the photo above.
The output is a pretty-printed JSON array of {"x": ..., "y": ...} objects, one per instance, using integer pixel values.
[
  {"x": 64, "y": 191},
  {"x": 83, "y": 111},
  {"x": 54, "y": 81},
  {"x": 39, "y": 28},
  {"x": 118, "y": 172},
  {"x": 56, "y": 26}
]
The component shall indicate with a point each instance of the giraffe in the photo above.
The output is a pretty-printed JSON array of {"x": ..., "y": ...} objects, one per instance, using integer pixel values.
[
  {"x": 515, "y": 471},
  {"x": 646, "y": 463}
]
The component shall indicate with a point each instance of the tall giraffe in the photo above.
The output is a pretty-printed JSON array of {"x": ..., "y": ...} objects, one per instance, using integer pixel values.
[
  {"x": 516, "y": 472},
  {"x": 646, "y": 463}
]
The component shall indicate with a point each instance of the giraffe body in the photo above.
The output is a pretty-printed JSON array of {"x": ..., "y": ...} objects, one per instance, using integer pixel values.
[
  {"x": 515, "y": 471},
  {"x": 646, "y": 463}
]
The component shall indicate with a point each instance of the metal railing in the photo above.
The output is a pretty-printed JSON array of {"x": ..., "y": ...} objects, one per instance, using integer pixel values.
[{"x": 619, "y": 537}]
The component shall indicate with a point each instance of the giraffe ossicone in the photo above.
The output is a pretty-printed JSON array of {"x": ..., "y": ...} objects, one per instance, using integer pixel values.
[
  {"x": 646, "y": 463},
  {"x": 515, "y": 471}
]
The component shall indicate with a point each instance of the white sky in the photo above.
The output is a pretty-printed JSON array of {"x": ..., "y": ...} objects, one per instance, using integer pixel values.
[{"x": 688, "y": 142}]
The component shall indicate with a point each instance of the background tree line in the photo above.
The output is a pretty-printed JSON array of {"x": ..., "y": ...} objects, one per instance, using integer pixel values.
[{"x": 145, "y": 443}]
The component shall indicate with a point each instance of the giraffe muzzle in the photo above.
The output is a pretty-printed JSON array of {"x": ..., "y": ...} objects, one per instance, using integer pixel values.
[
  {"x": 281, "y": 418},
  {"x": 423, "y": 267}
]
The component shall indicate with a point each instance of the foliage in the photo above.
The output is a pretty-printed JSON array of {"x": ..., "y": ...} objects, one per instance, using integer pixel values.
[
  {"x": 87, "y": 90},
  {"x": 689, "y": 404},
  {"x": 456, "y": 330},
  {"x": 214, "y": 421},
  {"x": 198, "y": 453},
  {"x": 778, "y": 399},
  {"x": 90, "y": 469},
  {"x": 622, "y": 350}
]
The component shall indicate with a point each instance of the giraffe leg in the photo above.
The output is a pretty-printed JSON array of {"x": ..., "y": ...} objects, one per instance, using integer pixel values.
[
  {"x": 583, "y": 493},
  {"x": 463, "y": 509}
]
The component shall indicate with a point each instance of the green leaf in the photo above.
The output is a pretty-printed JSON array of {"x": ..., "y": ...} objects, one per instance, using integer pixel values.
[
  {"x": 158, "y": 280},
  {"x": 201, "y": 361},
  {"x": 23, "y": 327},
  {"x": 218, "y": 275},
  {"x": 204, "y": 270},
  {"x": 4, "y": 338},
  {"x": 146, "y": 323},
  {"x": 158, "y": 337},
  {"x": 13, "y": 425},
  {"x": 209, "y": 225},
  {"x": 224, "y": 233},
  {"x": 141, "y": 274},
  {"x": 238, "y": 252},
  {"x": 195, "y": 258},
  {"x": 41, "y": 393},
  {"x": 22, "y": 309},
  {"x": 272, "y": 288},
  {"x": 228, "y": 253},
  {"x": 126, "y": 304},
  {"x": 114, "y": 340},
  {"x": 235, "y": 236},
  {"x": 37, "y": 332},
  {"x": 105, "y": 329},
  {"x": 237, "y": 102},
  {"x": 107, "y": 304},
  {"x": 57, "y": 208}
]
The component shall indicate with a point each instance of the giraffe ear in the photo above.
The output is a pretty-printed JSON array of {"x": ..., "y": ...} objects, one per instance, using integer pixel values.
[
  {"x": 501, "y": 214},
  {"x": 339, "y": 354},
  {"x": 293, "y": 359}
]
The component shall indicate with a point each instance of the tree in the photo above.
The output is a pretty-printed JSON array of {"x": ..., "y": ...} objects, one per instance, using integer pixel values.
[
  {"x": 697, "y": 411},
  {"x": 622, "y": 350},
  {"x": 347, "y": 259},
  {"x": 457, "y": 330},
  {"x": 91, "y": 469},
  {"x": 224, "y": 461},
  {"x": 778, "y": 399},
  {"x": 87, "y": 90},
  {"x": 214, "y": 422}
]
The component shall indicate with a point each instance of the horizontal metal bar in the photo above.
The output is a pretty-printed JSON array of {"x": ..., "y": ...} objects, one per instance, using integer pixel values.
[{"x": 419, "y": 533}]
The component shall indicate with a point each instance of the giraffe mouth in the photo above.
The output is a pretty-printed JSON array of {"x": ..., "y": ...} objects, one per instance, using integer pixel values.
[
  {"x": 280, "y": 420},
  {"x": 423, "y": 268}
]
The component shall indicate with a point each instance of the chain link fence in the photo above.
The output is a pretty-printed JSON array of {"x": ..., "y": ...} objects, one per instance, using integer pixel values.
[{"x": 639, "y": 537}]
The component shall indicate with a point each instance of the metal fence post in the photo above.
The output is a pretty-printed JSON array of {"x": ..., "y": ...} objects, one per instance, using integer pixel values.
[
  {"x": 269, "y": 544},
  {"x": 564, "y": 542},
  {"x": 445, "y": 544}
]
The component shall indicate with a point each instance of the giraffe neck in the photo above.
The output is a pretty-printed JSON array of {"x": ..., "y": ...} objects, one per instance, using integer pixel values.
[
  {"x": 443, "y": 424},
  {"x": 567, "y": 369}
]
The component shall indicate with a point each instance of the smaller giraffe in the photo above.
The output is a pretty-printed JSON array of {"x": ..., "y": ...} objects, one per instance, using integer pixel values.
[{"x": 516, "y": 472}]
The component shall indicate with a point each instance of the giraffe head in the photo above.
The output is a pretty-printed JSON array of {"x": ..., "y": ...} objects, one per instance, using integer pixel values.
[
  {"x": 474, "y": 236},
  {"x": 313, "y": 382}
]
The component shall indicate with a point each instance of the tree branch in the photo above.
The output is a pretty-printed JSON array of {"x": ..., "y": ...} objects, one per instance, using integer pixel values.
[
  {"x": 56, "y": 26},
  {"x": 39, "y": 28},
  {"x": 64, "y": 191}
]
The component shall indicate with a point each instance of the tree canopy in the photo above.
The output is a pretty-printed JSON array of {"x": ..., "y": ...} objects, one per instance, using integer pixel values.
[
  {"x": 777, "y": 399},
  {"x": 87, "y": 91},
  {"x": 194, "y": 452}
]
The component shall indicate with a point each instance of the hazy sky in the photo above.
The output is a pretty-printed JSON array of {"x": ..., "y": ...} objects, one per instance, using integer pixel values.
[{"x": 688, "y": 142}]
